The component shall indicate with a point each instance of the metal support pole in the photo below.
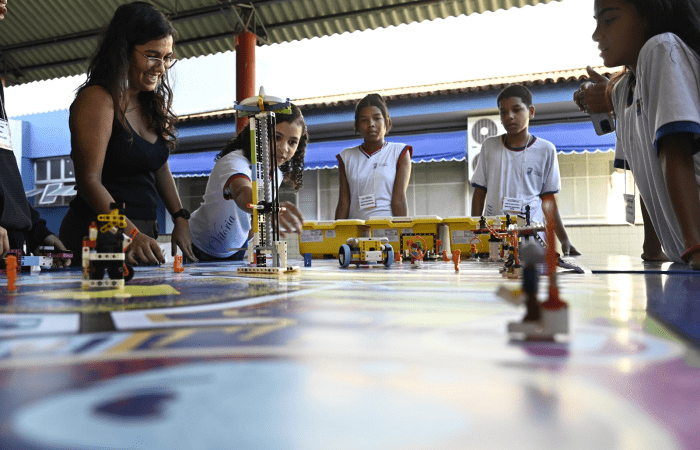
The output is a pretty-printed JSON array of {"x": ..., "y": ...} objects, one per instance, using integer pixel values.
[{"x": 245, "y": 70}]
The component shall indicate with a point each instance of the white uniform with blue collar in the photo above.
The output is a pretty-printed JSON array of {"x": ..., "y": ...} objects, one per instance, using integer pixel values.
[
  {"x": 665, "y": 100},
  {"x": 219, "y": 224},
  {"x": 523, "y": 174}
]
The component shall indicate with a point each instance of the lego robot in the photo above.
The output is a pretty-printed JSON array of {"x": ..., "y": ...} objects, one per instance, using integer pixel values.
[
  {"x": 104, "y": 251},
  {"x": 268, "y": 254},
  {"x": 372, "y": 250}
]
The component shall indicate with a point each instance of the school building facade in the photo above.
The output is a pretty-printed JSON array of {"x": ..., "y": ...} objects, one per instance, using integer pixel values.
[{"x": 444, "y": 123}]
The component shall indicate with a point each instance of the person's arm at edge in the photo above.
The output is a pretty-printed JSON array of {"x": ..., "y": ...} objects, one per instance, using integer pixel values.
[
  {"x": 651, "y": 248},
  {"x": 343, "y": 209},
  {"x": 478, "y": 200},
  {"x": 399, "y": 203},
  {"x": 91, "y": 119},
  {"x": 675, "y": 154}
]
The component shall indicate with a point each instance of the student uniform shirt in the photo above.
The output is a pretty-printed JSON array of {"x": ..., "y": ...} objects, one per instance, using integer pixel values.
[
  {"x": 521, "y": 174},
  {"x": 661, "y": 98},
  {"x": 219, "y": 224},
  {"x": 372, "y": 174}
]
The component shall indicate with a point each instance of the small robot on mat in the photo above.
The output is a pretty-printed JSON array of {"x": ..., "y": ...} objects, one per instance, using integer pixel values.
[{"x": 103, "y": 250}]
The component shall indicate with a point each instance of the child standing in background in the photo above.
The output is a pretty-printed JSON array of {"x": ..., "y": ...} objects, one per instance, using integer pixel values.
[
  {"x": 516, "y": 169},
  {"x": 221, "y": 225},
  {"x": 656, "y": 100},
  {"x": 374, "y": 175}
]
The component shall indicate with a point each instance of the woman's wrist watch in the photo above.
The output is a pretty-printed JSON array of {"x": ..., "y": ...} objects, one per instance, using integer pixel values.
[{"x": 182, "y": 213}]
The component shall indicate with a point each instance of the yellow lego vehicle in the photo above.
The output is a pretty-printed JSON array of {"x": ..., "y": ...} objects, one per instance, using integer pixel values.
[{"x": 370, "y": 250}]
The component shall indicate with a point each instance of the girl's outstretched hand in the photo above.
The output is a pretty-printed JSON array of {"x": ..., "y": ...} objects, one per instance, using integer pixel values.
[{"x": 291, "y": 219}]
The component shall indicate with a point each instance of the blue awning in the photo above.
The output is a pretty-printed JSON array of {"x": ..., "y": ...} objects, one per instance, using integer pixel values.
[
  {"x": 431, "y": 147},
  {"x": 574, "y": 137},
  {"x": 192, "y": 164},
  {"x": 577, "y": 137}
]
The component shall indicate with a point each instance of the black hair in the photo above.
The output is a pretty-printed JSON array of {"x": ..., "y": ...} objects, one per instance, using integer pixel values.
[
  {"x": 293, "y": 169},
  {"x": 516, "y": 90},
  {"x": 134, "y": 24},
  {"x": 680, "y": 17},
  {"x": 373, "y": 100}
]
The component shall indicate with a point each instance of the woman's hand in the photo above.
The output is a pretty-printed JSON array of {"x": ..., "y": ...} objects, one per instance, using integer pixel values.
[
  {"x": 291, "y": 219},
  {"x": 182, "y": 238},
  {"x": 592, "y": 96},
  {"x": 144, "y": 249}
]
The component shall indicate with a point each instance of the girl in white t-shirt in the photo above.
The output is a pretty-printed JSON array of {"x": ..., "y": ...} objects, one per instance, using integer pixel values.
[
  {"x": 221, "y": 226},
  {"x": 373, "y": 176},
  {"x": 656, "y": 100}
]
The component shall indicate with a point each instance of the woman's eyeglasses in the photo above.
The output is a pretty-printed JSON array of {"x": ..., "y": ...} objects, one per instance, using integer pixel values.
[{"x": 153, "y": 61}]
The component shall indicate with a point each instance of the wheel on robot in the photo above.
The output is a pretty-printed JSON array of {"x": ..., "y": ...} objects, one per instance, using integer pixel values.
[
  {"x": 388, "y": 251},
  {"x": 128, "y": 272},
  {"x": 344, "y": 255}
]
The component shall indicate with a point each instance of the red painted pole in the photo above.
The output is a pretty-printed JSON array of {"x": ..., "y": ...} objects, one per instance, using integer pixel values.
[{"x": 245, "y": 70}]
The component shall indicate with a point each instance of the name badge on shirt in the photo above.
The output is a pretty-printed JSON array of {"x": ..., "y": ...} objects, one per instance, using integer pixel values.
[
  {"x": 512, "y": 204},
  {"x": 367, "y": 201},
  {"x": 5, "y": 135},
  {"x": 629, "y": 208}
]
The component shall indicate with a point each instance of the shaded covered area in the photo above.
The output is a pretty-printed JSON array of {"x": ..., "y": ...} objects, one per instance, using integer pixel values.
[{"x": 47, "y": 39}]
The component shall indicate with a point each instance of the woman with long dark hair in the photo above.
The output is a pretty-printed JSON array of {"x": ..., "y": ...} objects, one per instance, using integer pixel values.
[{"x": 122, "y": 130}]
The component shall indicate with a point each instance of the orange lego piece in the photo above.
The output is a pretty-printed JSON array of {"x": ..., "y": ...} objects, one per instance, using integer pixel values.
[
  {"x": 177, "y": 265},
  {"x": 456, "y": 258},
  {"x": 11, "y": 271}
]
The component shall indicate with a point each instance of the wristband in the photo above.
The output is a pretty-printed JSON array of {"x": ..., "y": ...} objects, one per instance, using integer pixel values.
[
  {"x": 181, "y": 213},
  {"x": 685, "y": 257},
  {"x": 134, "y": 231}
]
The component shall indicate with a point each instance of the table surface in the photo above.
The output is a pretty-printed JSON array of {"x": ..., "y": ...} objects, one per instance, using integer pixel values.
[{"x": 363, "y": 357}]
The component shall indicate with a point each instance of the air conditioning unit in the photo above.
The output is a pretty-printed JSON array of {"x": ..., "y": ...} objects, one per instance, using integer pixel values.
[{"x": 479, "y": 128}]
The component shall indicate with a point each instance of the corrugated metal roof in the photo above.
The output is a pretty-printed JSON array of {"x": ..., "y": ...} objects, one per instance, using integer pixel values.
[
  {"x": 456, "y": 87},
  {"x": 44, "y": 39}
]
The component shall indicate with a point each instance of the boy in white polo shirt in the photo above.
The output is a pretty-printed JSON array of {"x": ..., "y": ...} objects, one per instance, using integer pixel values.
[{"x": 516, "y": 169}]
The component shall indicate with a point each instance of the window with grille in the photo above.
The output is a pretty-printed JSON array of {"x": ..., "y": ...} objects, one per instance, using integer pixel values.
[{"x": 54, "y": 182}]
